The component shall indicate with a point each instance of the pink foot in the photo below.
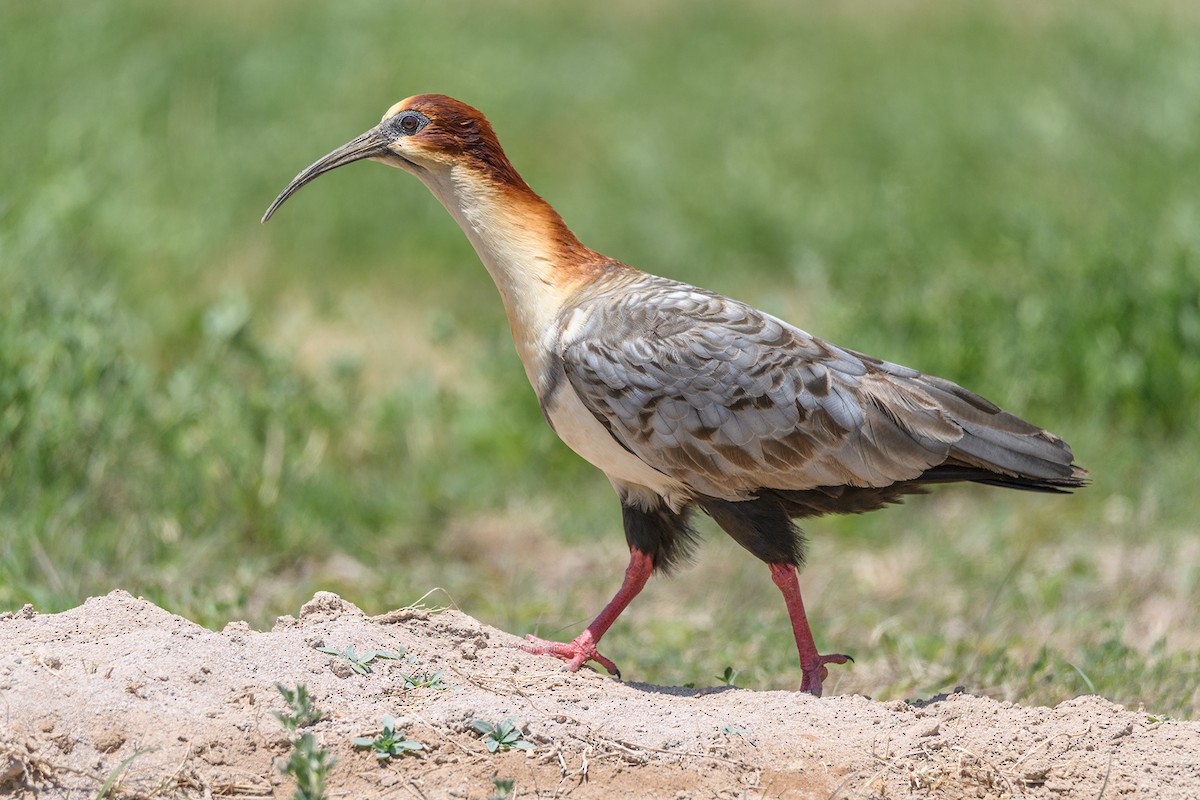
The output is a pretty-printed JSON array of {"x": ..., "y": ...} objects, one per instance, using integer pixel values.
[
  {"x": 812, "y": 663},
  {"x": 815, "y": 674},
  {"x": 575, "y": 653}
]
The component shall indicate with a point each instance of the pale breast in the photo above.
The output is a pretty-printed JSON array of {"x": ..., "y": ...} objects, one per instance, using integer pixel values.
[{"x": 582, "y": 432}]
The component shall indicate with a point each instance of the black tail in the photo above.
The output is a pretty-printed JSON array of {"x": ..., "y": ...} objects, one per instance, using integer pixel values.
[
  {"x": 954, "y": 474},
  {"x": 859, "y": 499}
]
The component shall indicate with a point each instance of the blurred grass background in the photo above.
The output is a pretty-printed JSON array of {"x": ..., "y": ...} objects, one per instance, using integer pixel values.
[{"x": 226, "y": 417}]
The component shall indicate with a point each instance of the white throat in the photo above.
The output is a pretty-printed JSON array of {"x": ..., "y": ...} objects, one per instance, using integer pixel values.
[{"x": 513, "y": 243}]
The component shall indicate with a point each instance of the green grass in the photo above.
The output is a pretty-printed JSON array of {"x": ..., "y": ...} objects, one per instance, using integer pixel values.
[{"x": 226, "y": 417}]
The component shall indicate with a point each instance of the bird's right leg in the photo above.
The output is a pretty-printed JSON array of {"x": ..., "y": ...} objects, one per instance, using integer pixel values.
[
  {"x": 763, "y": 527},
  {"x": 812, "y": 663}
]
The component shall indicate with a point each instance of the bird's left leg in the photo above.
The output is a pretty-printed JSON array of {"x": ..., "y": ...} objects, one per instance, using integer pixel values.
[
  {"x": 812, "y": 663},
  {"x": 583, "y": 648},
  {"x": 658, "y": 538}
]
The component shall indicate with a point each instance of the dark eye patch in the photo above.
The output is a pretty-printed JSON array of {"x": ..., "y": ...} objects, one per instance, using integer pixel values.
[{"x": 409, "y": 122}]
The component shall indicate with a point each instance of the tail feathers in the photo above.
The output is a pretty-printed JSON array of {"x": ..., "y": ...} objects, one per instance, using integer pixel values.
[
  {"x": 859, "y": 499},
  {"x": 954, "y": 474},
  {"x": 996, "y": 448},
  {"x": 1039, "y": 456},
  {"x": 1003, "y": 449}
]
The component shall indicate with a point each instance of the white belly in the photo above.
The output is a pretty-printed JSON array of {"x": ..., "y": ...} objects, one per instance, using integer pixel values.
[{"x": 633, "y": 478}]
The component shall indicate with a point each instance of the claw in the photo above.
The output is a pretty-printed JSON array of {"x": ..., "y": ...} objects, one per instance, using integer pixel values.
[
  {"x": 583, "y": 648},
  {"x": 815, "y": 674},
  {"x": 576, "y": 653}
]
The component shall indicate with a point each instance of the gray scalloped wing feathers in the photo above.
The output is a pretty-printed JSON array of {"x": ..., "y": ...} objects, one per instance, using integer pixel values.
[{"x": 730, "y": 400}]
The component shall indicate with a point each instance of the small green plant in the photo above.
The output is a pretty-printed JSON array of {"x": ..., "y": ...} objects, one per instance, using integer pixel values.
[
  {"x": 1091, "y": 687},
  {"x": 301, "y": 712},
  {"x": 501, "y": 788},
  {"x": 424, "y": 680},
  {"x": 388, "y": 744},
  {"x": 729, "y": 730},
  {"x": 360, "y": 662},
  {"x": 309, "y": 763},
  {"x": 109, "y": 789},
  {"x": 728, "y": 676},
  {"x": 504, "y": 736}
]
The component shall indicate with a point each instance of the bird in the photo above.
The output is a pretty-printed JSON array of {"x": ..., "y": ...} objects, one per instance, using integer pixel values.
[{"x": 686, "y": 399}]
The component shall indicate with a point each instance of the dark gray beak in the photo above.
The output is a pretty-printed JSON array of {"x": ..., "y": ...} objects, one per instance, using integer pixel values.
[{"x": 372, "y": 143}]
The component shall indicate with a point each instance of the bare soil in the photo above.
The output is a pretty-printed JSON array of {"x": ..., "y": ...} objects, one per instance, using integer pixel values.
[{"x": 120, "y": 693}]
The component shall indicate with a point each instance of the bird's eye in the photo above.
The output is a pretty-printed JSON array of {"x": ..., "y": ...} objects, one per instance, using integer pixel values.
[{"x": 409, "y": 123}]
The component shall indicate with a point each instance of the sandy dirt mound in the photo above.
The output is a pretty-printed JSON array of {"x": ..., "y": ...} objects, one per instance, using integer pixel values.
[{"x": 119, "y": 687}]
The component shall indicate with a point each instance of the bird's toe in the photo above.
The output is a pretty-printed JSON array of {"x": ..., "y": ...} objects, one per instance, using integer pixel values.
[
  {"x": 575, "y": 653},
  {"x": 816, "y": 672}
]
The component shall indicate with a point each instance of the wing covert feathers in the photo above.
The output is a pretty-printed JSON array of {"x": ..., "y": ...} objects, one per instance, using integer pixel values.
[{"x": 731, "y": 401}]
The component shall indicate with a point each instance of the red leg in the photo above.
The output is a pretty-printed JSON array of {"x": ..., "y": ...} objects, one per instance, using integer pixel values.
[
  {"x": 812, "y": 663},
  {"x": 583, "y": 649}
]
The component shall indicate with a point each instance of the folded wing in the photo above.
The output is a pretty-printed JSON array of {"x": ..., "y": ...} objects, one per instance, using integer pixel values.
[{"x": 731, "y": 400}]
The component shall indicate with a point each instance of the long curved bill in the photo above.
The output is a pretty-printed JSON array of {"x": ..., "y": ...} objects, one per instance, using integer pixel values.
[{"x": 372, "y": 143}]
